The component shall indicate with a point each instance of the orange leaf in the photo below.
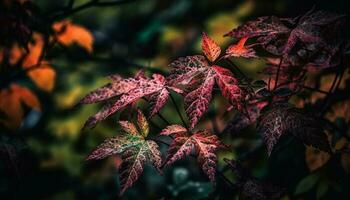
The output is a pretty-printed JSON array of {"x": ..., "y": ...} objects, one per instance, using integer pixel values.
[
  {"x": 315, "y": 158},
  {"x": 239, "y": 50},
  {"x": 43, "y": 77},
  {"x": 210, "y": 49},
  {"x": 11, "y": 104},
  {"x": 16, "y": 54},
  {"x": 345, "y": 162},
  {"x": 68, "y": 33},
  {"x": 35, "y": 51}
]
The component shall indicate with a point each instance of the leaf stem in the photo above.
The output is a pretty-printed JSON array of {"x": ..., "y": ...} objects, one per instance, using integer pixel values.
[
  {"x": 178, "y": 111},
  {"x": 159, "y": 114},
  {"x": 237, "y": 68},
  {"x": 278, "y": 72},
  {"x": 226, "y": 179}
]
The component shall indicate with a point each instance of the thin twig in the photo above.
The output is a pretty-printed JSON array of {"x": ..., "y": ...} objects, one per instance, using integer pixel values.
[
  {"x": 158, "y": 114},
  {"x": 226, "y": 179},
  {"x": 178, "y": 111},
  {"x": 332, "y": 89},
  {"x": 315, "y": 89},
  {"x": 93, "y": 3},
  {"x": 237, "y": 68},
  {"x": 278, "y": 73}
]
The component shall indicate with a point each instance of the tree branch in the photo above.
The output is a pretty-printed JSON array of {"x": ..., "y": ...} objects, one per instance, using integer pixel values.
[
  {"x": 315, "y": 89},
  {"x": 93, "y": 3},
  {"x": 278, "y": 73}
]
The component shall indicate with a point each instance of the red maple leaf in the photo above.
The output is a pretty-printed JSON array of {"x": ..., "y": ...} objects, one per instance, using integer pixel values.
[
  {"x": 302, "y": 37},
  {"x": 128, "y": 90},
  {"x": 240, "y": 50},
  {"x": 242, "y": 121},
  {"x": 198, "y": 75},
  {"x": 202, "y": 143},
  {"x": 133, "y": 148}
]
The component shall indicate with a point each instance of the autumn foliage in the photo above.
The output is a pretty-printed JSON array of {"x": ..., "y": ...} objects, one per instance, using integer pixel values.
[
  {"x": 24, "y": 54},
  {"x": 287, "y": 98},
  {"x": 293, "y": 49}
]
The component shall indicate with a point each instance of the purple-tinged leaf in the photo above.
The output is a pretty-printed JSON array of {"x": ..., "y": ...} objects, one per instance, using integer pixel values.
[
  {"x": 185, "y": 68},
  {"x": 157, "y": 101},
  {"x": 281, "y": 118},
  {"x": 202, "y": 143},
  {"x": 173, "y": 130},
  {"x": 128, "y": 127},
  {"x": 197, "y": 101}
]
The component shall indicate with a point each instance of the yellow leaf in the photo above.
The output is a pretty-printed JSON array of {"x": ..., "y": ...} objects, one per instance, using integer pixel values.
[
  {"x": 43, "y": 77},
  {"x": 315, "y": 158},
  {"x": 68, "y": 33}
]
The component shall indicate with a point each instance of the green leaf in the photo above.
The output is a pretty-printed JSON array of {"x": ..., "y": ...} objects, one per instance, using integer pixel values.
[
  {"x": 307, "y": 183},
  {"x": 322, "y": 189}
]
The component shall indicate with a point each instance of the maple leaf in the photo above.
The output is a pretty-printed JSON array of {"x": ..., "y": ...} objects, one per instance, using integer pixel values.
[
  {"x": 210, "y": 48},
  {"x": 199, "y": 77},
  {"x": 291, "y": 76},
  {"x": 228, "y": 84},
  {"x": 184, "y": 69},
  {"x": 173, "y": 129},
  {"x": 203, "y": 143},
  {"x": 68, "y": 33},
  {"x": 242, "y": 121},
  {"x": 267, "y": 29},
  {"x": 281, "y": 118},
  {"x": 12, "y": 101},
  {"x": 128, "y": 90},
  {"x": 279, "y": 36},
  {"x": 251, "y": 187},
  {"x": 133, "y": 148},
  {"x": 197, "y": 101},
  {"x": 308, "y": 28},
  {"x": 239, "y": 50},
  {"x": 43, "y": 77},
  {"x": 39, "y": 71}
]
